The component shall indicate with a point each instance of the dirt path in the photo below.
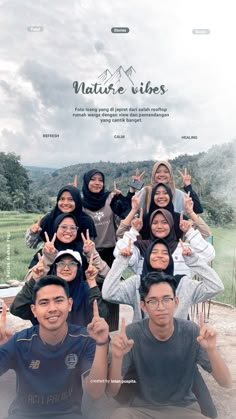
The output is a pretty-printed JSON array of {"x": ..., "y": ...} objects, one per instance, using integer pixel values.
[{"x": 222, "y": 318}]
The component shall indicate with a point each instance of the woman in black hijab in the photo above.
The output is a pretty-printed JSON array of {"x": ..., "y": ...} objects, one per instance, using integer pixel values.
[
  {"x": 69, "y": 201},
  {"x": 161, "y": 198}
]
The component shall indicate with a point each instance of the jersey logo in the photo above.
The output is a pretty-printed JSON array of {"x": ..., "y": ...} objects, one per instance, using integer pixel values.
[
  {"x": 34, "y": 365},
  {"x": 98, "y": 215},
  {"x": 71, "y": 361}
]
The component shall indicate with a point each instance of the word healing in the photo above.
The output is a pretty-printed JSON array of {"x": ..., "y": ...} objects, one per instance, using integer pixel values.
[{"x": 96, "y": 88}]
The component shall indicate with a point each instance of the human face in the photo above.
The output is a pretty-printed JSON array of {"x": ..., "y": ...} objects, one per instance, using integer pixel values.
[
  {"x": 69, "y": 270},
  {"x": 96, "y": 183},
  {"x": 162, "y": 314},
  {"x": 161, "y": 197},
  {"x": 51, "y": 307},
  {"x": 160, "y": 227},
  {"x": 66, "y": 202},
  {"x": 159, "y": 257},
  {"x": 162, "y": 174},
  {"x": 67, "y": 230}
]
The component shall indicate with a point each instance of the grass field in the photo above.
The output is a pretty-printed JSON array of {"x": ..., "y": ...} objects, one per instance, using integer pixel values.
[{"x": 15, "y": 256}]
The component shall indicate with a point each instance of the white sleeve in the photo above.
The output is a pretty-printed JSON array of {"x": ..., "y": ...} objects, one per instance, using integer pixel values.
[
  {"x": 116, "y": 290},
  {"x": 208, "y": 282},
  {"x": 199, "y": 245}
]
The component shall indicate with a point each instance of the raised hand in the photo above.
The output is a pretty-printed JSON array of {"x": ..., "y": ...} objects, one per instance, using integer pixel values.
[
  {"x": 35, "y": 228},
  {"x": 89, "y": 246},
  {"x": 207, "y": 335},
  {"x": 49, "y": 245},
  {"x": 98, "y": 329},
  {"x": 91, "y": 273},
  {"x": 184, "y": 225},
  {"x": 4, "y": 333},
  {"x": 186, "y": 250},
  {"x": 115, "y": 190},
  {"x": 120, "y": 344},
  {"x": 39, "y": 270},
  {"x": 127, "y": 250},
  {"x": 138, "y": 176},
  {"x": 137, "y": 223},
  {"x": 188, "y": 203},
  {"x": 186, "y": 178}
]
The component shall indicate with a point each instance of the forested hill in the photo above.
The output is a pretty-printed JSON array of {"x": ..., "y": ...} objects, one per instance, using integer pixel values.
[{"x": 213, "y": 176}]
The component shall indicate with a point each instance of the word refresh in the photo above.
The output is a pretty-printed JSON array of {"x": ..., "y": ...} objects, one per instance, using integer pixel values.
[{"x": 97, "y": 88}]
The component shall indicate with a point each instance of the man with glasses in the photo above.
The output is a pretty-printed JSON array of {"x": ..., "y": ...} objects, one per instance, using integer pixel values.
[{"x": 163, "y": 351}]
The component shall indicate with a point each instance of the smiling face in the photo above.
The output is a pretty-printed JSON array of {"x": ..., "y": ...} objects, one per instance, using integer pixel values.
[
  {"x": 161, "y": 197},
  {"x": 160, "y": 227},
  {"x": 51, "y": 307},
  {"x": 66, "y": 202},
  {"x": 67, "y": 230},
  {"x": 159, "y": 257},
  {"x": 95, "y": 184},
  {"x": 66, "y": 268},
  {"x": 162, "y": 174}
]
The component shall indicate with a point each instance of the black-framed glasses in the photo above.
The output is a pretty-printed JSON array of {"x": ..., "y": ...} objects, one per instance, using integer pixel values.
[
  {"x": 69, "y": 265},
  {"x": 154, "y": 304},
  {"x": 66, "y": 227}
]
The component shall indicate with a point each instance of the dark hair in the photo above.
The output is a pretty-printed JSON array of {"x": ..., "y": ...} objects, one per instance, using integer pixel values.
[
  {"x": 153, "y": 278},
  {"x": 50, "y": 280}
]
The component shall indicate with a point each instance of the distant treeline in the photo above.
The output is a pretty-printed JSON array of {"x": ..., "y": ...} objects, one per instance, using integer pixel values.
[{"x": 213, "y": 178}]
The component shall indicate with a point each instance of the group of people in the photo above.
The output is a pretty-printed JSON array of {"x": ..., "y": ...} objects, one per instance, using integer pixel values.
[{"x": 72, "y": 296}]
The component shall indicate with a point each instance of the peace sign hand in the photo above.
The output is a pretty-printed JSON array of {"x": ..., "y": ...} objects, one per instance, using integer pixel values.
[
  {"x": 186, "y": 178},
  {"x": 35, "y": 228},
  {"x": 89, "y": 246},
  {"x": 39, "y": 270},
  {"x": 126, "y": 251},
  {"x": 98, "y": 329},
  {"x": 138, "y": 176},
  {"x": 188, "y": 203},
  {"x": 115, "y": 190},
  {"x": 186, "y": 250},
  {"x": 207, "y": 335},
  {"x": 91, "y": 273},
  {"x": 137, "y": 223},
  {"x": 49, "y": 245},
  {"x": 184, "y": 225},
  {"x": 120, "y": 344},
  {"x": 5, "y": 334}
]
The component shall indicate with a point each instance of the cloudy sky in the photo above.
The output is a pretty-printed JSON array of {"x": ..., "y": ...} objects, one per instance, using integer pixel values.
[{"x": 38, "y": 68}]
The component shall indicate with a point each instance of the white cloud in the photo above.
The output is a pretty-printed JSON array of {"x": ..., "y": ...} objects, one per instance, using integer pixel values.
[{"x": 38, "y": 69}]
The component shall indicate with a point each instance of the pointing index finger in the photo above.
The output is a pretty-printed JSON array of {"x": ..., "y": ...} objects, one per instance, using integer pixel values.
[
  {"x": 201, "y": 319},
  {"x": 95, "y": 309},
  {"x": 123, "y": 326}
]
